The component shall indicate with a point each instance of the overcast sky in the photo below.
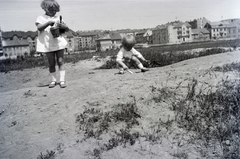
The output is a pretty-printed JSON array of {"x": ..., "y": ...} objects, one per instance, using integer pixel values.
[{"x": 116, "y": 14}]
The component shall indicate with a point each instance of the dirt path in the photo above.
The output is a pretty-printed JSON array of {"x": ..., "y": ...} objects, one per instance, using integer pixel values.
[{"x": 35, "y": 118}]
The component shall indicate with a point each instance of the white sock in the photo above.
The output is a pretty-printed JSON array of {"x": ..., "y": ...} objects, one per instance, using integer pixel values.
[
  {"x": 140, "y": 66},
  {"x": 53, "y": 75},
  {"x": 62, "y": 75}
]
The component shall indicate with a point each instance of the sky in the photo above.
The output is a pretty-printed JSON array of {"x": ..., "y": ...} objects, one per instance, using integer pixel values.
[{"x": 116, "y": 14}]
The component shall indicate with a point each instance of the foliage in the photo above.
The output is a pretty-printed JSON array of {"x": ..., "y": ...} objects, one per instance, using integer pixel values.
[
  {"x": 95, "y": 122},
  {"x": 213, "y": 115},
  {"x": 193, "y": 24},
  {"x": 48, "y": 155}
]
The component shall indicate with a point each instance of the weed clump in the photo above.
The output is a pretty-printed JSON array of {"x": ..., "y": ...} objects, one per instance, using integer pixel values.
[
  {"x": 48, "y": 155},
  {"x": 213, "y": 116},
  {"x": 94, "y": 122}
]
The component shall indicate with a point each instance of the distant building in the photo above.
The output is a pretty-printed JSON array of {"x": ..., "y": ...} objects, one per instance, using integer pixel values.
[
  {"x": 16, "y": 47},
  {"x": 160, "y": 34},
  {"x": 144, "y": 36},
  {"x": 108, "y": 41},
  {"x": 172, "y": 33},
  {"x": 201, "y": 22},
  {"x": 18, "y": 43},
  {"x": 200, "y": 34},
  {"x": 86, "y": 40},
  {"x": 219, "y": 30},
  {"x": 233, "y": 28}
]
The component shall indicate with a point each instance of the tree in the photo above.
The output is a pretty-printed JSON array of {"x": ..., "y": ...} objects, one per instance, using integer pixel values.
[{"x": 193, "y": 24}]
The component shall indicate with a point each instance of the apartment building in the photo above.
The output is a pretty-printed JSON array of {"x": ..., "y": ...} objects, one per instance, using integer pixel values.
[
  {"x": 144, "y": 36},
  {"x": 218, "y": 30},
  {"x": 160, "y": 34},
  {"x": 233, "y": 28},
  {"x": 86, "y": 41},
  {"x": 172, "y": 33},
  {"x": 184, "y": 33},
  {"x": 18, "y": 43}
]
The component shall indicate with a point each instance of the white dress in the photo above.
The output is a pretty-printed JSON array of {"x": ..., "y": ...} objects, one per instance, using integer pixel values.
[
  {"x": 123, "y": 54},
  {"x": 45, "y": 40}
]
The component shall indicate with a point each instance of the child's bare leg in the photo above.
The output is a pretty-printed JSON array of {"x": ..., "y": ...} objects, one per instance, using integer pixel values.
[
  {"x": 136, "y": 60},
  {"x": 52, "y": 63},
  {"x": 139, "y": 64},
  {"x": 60, "y": 62}
]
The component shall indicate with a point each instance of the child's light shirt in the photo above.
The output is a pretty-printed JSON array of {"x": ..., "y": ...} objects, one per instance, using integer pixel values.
[
  {"x": 45, "y": 40},
  {"x": 123, "y": 54}
]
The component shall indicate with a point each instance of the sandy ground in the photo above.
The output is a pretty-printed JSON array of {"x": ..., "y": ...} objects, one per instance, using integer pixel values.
[{"x": 34, "y": 118}]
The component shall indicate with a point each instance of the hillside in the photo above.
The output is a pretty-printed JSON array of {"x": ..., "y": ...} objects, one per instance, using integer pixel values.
[{"x": 40, "y": 122}]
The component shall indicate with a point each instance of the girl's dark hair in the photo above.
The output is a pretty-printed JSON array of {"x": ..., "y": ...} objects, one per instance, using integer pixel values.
[
  {"x": 128, "y": 42},
  {"x": 46, "y": 4}
]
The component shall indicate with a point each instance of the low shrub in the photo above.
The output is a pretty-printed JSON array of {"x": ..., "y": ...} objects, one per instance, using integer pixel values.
[{"x": 213, "y": 116}]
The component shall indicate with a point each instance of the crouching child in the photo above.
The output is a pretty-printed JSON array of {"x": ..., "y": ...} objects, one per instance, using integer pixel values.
[{"x": 128, "y": 53}]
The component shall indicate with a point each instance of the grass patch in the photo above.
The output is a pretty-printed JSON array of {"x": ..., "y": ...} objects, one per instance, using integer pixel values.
[
  {"x": 212, "y": 116},
  {"x": 48, "y": 155},
  {"x": 94, "y": 122},
  {"x": 235, "y": 66}
]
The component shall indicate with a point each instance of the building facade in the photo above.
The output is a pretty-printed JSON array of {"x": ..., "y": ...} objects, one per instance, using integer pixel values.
[
  {"x": 233, "y": 28},
  {"x": 172, "y": 33},
  {"x": 200, "y": 34},
  {"x": 86, "y": 41},
  {"x": 144, "y": 36},
  {"x": 109, "y": 41},
  {"x": 18, "y": 43}
]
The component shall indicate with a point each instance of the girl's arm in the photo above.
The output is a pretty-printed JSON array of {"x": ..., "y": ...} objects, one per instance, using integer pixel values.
[
  {"x": 138, "y": 54},
  {"x": 41, "y": 27},
  {"x": 122, "y": 64},
  {"x": 119, "y": 59}
]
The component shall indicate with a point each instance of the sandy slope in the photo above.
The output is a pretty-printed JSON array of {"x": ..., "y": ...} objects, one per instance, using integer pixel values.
[{"x": 35, "y": 118}]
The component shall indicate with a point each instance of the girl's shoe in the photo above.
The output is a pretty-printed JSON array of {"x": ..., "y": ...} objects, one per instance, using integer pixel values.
[
  {"x": 63, "y": 84},
  {"x": 121, "y": 72},
  {"x": 144, "y": 69},
  {"x": 52, "y": 84}
]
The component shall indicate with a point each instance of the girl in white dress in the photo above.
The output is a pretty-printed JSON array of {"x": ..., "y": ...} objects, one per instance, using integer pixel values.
[{"x": 52, "y": 44}]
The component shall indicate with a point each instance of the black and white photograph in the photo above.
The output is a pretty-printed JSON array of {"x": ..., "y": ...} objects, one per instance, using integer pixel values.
[{"x": 119, "y": 79}]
